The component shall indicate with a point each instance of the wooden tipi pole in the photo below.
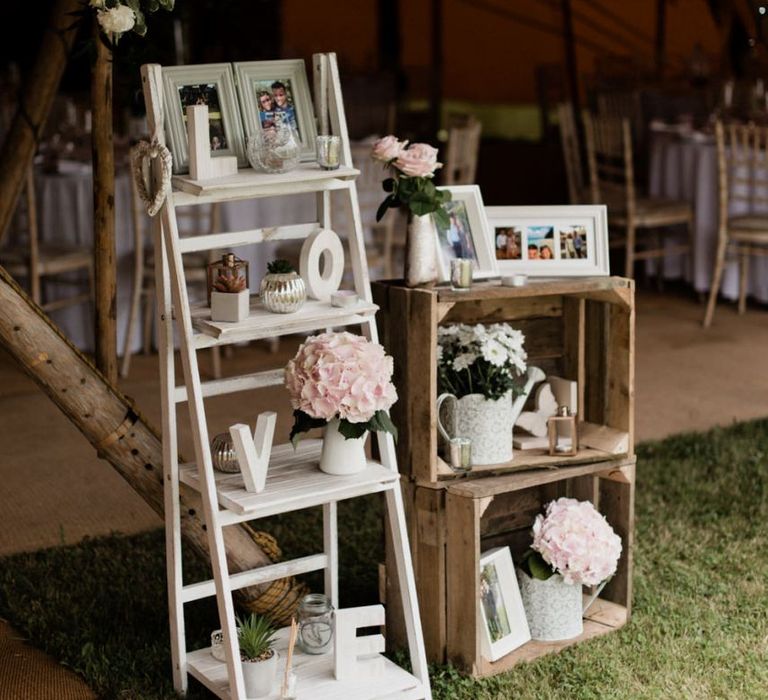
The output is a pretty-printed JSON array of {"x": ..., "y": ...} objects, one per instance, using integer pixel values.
[
  {"x": 114, "y": 427},
  {"x": 34, "y": 104},
  {"x": 104, "y": 250}
]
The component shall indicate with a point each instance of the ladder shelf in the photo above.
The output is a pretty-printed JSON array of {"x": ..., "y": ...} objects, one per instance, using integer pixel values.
[{"x": 293, "y": 481}]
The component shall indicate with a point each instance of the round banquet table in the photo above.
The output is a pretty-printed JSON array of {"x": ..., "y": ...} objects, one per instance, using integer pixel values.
[
  {"x": 685, "y": 167},
  {"x": 65, "y": 203}
]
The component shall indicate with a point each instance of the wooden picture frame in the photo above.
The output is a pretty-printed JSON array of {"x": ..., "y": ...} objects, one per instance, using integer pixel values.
[
  {"x": 257, "y": 78},
  {"x": 504, "y": 626},
  {"x": 569, "y": 240},
  {"x": 213, "y": 84},
  {"x": 466, "y": 211}
]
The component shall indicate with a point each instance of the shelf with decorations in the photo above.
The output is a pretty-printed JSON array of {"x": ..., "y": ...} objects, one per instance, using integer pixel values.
[
  {"x": 580, "y": 330},
  {"x": 280, "y": 479}
]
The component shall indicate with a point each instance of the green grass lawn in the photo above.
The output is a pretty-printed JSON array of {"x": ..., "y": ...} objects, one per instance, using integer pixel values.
[{"x": 699, "y": 628}]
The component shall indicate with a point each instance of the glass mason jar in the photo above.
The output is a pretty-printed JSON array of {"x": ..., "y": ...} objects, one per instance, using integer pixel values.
[{"x": 315, "y": 624}]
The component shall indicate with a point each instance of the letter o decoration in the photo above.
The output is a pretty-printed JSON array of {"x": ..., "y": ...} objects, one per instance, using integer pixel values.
[{"x": 322, "y": 247}]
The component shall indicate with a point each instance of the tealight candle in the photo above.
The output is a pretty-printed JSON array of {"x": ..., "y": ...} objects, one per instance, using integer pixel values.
[
  {"x": 344, "y": 297},
  {"x": 328, "y": 152},
  {"x": 461, "y": 274},
  {"x": 518, "y": 280}
]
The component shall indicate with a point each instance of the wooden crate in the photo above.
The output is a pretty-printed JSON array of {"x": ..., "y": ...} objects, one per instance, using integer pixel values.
[{"x": 581, "y": 329}]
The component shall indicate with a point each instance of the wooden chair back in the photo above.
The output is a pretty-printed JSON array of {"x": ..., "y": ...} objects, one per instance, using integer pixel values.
[
  {"x": 569, "y": 139},
  {"x": 742, "y": 168},
  {"x": 461, "y": 152},
  {"x": 611, "y": 166}
]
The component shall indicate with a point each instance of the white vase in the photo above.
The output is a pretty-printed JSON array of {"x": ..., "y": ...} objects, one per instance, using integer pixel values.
[
  {"x": 487, "y": 423},
  {"x": 553, "y": 607},
  {"x": 342, "y": 456},
  {"x": 259, "y": 676},
  {"x": 420, "y": 251},
  {"x": 230, "y": 307}
]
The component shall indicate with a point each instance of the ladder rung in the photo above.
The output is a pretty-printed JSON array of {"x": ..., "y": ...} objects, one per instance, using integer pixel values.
[
  {"x": 230, "y": 385},
  {"x": 233, "y": 239},
  {"x": 256, "y": 577}
]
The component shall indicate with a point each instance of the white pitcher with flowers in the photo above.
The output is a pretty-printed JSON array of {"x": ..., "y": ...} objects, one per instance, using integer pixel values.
[
  {"x": 573, "y": 546},
  {"x": 342, "y": 382},
  {"x": 484, "y": 382}
]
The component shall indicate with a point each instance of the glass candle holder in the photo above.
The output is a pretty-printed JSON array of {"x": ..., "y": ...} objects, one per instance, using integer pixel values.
[
  {"x": 460, "y": 454},
  {"x": 328, "y": 152},
  {"x": 461, "y": 274},
  {"x": 315, "y": 619}
]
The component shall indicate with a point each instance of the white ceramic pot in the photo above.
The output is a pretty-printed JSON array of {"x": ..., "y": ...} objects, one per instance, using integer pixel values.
[
  {"x": 260, "y": 676},
  {"x": 487, "y": 423},
  {"x": 340, "y": 456},
  {"x": 553, "y": 607},
  {"x": 231, "y": 308}
]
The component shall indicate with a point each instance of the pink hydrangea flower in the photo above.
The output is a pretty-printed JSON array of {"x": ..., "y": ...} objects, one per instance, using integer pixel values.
[
  {"x": 418, "y": 160},
  {"x": 340, "y": 375},
  {"x": 387, "y": 149},
  {"x": 577, "y": 541}
]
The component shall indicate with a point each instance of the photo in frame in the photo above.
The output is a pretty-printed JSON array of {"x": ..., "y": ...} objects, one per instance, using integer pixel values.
[
  {"x": 210, "y": 84},
  {"x": 277, "y": 91},
  {"x": 467, "y": 235},
  {"x": 504, "y": 626},
  {"x": 550, "y": 241}
]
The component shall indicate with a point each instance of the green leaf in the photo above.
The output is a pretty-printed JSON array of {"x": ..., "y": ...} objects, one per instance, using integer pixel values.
[
  {"x": 441, "y": 218},
  {"x": 389, "y": 184},
  {"x": 386, "y": 204},
  {"x": 303, "y": 423},
  {"x": 167, "y": 4},
  {"x": 538, "y": 567},
  {"x": 421, "y": 203},
  {"x": 351, "y": 431},
  {"x": 151, "y": 5},
  {"x": 140, "y": 27},
  {"x": 381, "y": 422}
]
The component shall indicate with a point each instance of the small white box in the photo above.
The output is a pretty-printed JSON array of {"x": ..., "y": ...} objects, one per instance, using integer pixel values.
[{"x": 228, "y": 307}]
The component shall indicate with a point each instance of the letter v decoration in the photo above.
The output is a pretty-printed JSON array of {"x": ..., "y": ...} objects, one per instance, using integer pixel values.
[{"x": 253, "y": 450}]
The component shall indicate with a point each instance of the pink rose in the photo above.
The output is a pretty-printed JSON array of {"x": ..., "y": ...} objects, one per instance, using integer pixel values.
[
  {"x": 387, "y": 149},
  {"x": 418, "y": 160}
]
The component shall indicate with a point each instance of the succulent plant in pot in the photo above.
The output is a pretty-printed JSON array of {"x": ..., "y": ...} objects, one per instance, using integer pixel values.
[
  {"x": 228, "y": 286},
  {"x": 256, "y": 637},
  {"x": 282, "y": 290}
]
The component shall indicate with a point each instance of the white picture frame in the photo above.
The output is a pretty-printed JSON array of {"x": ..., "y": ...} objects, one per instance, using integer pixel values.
[
  {"x": 214, "y": 84},
  {"x": 504, "y": 626},
  {"x": 465, "y": 210},
  {"x": 559, "y": 229},
  {"x": 256, "y": 77}
]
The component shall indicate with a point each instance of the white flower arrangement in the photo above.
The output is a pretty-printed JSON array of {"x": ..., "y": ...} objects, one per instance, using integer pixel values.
[
  {"x": 488, "y": 360},
  {"x": 116, "y": 17}
]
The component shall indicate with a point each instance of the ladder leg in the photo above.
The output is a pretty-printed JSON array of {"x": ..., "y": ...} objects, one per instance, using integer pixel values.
[
  {"x": 407, "y": 583},
  {"x": 331, "y": 550},
  {"x": 170, "y": 469}
]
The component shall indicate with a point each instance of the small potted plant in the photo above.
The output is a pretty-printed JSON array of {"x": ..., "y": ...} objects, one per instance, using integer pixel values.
[
  {"x": 282, "y": 290},
  {"x": 228, "y": 286},
  {"x": 256, "y": 636},
  {"x": 573, "y": 546}
]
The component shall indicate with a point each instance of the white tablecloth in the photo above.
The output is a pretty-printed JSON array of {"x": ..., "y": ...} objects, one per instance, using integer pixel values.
[
  {"x": 65, "y": 203},
  {"x": 685, "y": 168}
]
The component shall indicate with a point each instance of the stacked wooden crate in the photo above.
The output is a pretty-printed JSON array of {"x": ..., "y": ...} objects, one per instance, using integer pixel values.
[{"x": 580, "y": 329}]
